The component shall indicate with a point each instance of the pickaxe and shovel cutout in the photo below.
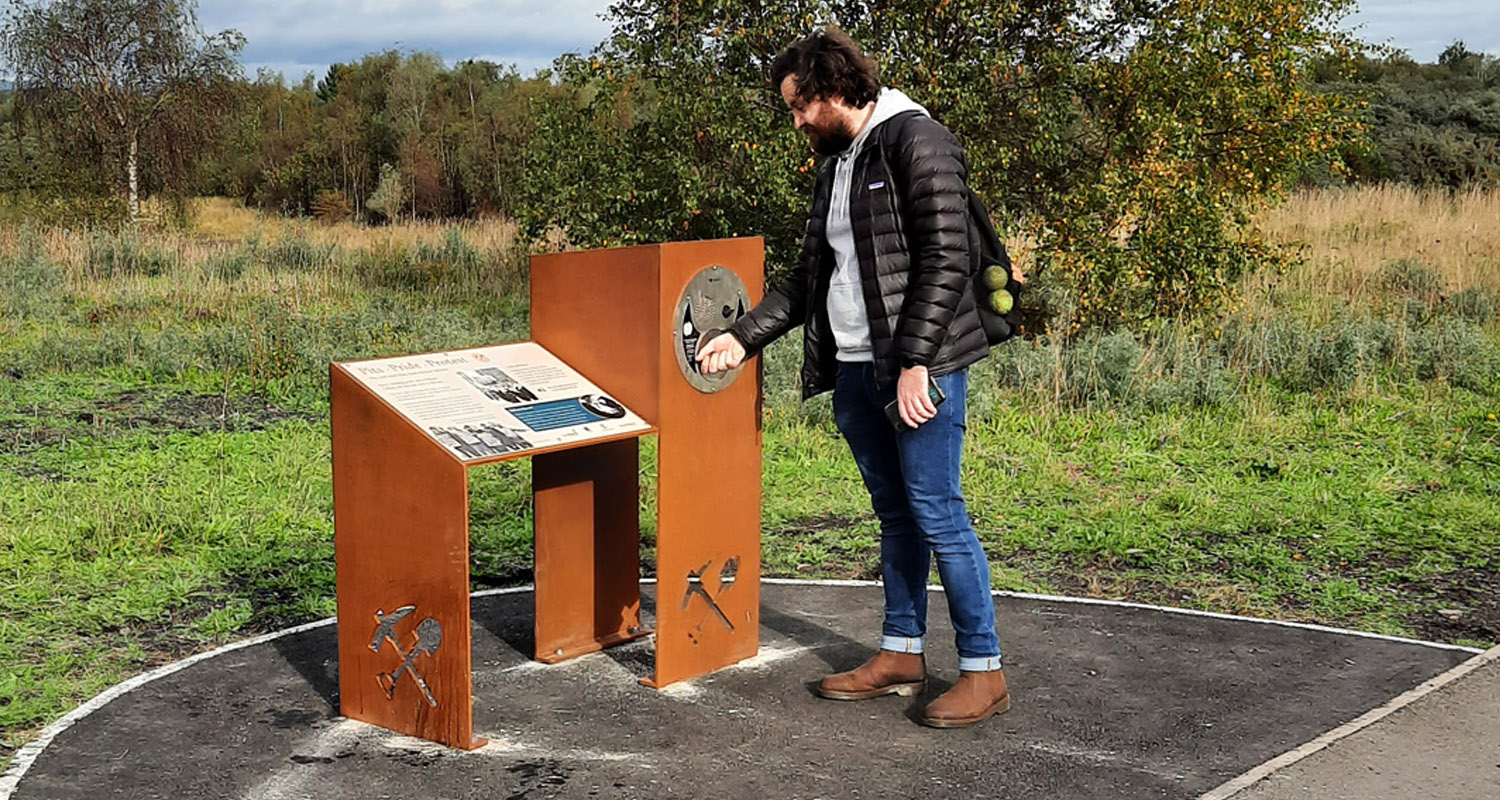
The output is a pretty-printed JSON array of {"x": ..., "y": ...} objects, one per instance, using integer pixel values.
[
  {"x": 695, "y": 588},
  {"x": 429, "y": 635}
]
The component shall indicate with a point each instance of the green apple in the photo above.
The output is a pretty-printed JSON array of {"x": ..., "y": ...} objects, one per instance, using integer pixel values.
[
  {"x": 1001, "y": 301},
  {"x": 994, "y": 277}
]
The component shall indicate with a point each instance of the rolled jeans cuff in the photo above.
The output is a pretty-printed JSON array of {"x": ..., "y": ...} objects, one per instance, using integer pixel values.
[
  {"x": 979, "y": 663},
  {"x": 901, "y": 644}
]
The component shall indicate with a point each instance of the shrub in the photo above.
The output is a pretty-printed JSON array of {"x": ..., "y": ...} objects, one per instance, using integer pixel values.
[
  {"x": 1335, "y": 356},
  {"x": 1417, "y": 312},
  {"x": 1188, "y": 372},
  {"x": 30, "y": 283},
  {"x": 1381, "y": 341},
  {"x": 120, "y": 253},
  {"x": 455, "y": 252},
  {"x": 1478, "y": 304},
  {"x": 1102, "y": 367},
  {"x": 332, "y": 205},
  {"x": 1454, "y": 349},
  {"x": 1028, "y": 363},
  {"x": 76, "y": 212},
  {"x": 1137, "y": 172},
  {"x": 229, "y": 266},
  {"x": 1411, "y": 278},
  {"x": 295, "y": 254}
]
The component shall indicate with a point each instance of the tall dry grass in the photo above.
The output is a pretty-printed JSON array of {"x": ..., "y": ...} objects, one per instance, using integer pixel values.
[
  {"x": 1352, "y": 235},
  {"x": 228, "y": 220},
  {"x": 1395, "y": 284},
  {"x": 1380, "y": 297},
  {"x": 224, "y": 229}
]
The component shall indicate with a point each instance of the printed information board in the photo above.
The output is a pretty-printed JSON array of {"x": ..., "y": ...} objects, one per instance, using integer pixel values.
[{"x": 491, "y": 401}]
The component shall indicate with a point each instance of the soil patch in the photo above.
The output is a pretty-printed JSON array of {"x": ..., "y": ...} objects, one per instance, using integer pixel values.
[
  {"x": 1463, "y": 605},
  {"x": 823, "y": 522},
  {"x": 134, "y": 411},
  {"x": 184, "y": 411}
]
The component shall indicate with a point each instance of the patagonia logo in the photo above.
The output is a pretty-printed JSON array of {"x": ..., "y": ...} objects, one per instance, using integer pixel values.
[{"x": 877, "y": 185}]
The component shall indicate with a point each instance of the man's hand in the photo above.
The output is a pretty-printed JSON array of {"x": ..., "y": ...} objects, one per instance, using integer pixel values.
[
  {"x": 911, "y": 397},
  {"x": 721, "y": 354}
]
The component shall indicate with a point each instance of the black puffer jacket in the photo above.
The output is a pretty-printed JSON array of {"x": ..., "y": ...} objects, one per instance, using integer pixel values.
[{"x": 920, "y": 307}]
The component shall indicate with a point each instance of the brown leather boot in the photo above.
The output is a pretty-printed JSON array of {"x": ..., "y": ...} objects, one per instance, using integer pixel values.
[
  {"x": 976, "y": 697},
  {"x": 885, "y": 673}
]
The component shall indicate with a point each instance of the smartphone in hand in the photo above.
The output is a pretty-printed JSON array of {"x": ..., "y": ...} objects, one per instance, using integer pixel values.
[{"x": 893, "y": 409}]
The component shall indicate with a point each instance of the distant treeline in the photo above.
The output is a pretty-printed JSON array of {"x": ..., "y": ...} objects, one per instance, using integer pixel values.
[
  {"x": 395, "y": 134},
  {"x": 1130, "y": 142},
  {"x": 389, "y": 135},
  {"x": 1427, "y": 124}
]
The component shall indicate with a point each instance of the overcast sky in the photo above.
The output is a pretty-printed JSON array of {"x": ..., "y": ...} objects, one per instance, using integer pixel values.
[{"x": 295, "y": 37}]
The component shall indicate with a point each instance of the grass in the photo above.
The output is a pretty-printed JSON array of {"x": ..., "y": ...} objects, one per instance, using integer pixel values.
[
  {"x": 1354, "y": 235},
  {"x": 1326, "y": 452},
  {"x": 1283, "y": 505}
]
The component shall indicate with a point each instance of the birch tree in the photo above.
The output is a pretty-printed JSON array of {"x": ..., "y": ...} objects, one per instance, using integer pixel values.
[{"x": 114, "y": 68}]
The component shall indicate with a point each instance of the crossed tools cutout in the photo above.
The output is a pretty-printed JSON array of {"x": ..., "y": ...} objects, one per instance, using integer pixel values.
[
  {"x": 428, "y": 637},
  {"x": 695, "y": 588}
]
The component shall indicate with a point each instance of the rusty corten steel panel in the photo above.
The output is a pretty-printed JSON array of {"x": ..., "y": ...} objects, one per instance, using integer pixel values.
[
  {"x": 597, "y": 311},
  {"x": 587, "y": 524},
  {"x": 401, "y": 545},
  {"x": 709, "y": 489},
  {"x": 401, "y": 504}
]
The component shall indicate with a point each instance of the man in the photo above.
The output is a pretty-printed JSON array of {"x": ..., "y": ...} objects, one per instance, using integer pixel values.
[{"x": 882, "y": 291}]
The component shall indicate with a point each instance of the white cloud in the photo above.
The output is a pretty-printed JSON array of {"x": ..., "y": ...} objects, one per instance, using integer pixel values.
[
  {"x": 297, "y": 36},
  {"x": 1424, "y": 27}
]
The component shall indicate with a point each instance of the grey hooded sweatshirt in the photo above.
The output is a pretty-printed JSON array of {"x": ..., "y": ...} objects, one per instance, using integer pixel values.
[{"x": 847, "y": 315}]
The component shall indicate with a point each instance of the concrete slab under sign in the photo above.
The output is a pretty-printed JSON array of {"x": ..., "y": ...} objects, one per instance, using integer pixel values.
[{"x": 1110, "y": 701}]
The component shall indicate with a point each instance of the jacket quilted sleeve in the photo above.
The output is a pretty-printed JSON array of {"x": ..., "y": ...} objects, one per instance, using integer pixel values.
[
  {"x": 785, "y": 306},
  {"x": 931, "y": 161}
]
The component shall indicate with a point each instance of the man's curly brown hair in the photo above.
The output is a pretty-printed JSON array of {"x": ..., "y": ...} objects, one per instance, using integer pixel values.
[{"x": 828, "y": 64}]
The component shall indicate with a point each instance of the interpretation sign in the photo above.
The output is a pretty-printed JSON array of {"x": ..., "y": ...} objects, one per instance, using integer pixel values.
[{"x": 490, "y": 401}]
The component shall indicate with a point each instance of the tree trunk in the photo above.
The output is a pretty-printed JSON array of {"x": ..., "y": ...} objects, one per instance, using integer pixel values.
[{"x": 132, "y": 175}]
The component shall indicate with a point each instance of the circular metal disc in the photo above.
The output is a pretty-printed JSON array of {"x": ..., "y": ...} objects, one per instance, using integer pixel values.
[{"x": 712, "y": 301}]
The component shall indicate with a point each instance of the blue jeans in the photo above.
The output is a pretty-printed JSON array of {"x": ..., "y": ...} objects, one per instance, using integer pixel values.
[{"x": 913, "y": 478}]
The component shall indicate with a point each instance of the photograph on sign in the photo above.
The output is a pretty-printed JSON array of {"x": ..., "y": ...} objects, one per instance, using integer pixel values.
[{"x": 495, "y": 400}]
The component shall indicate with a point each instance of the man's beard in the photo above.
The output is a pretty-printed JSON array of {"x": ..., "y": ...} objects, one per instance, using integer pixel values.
[{"x": 829, "y": 141}]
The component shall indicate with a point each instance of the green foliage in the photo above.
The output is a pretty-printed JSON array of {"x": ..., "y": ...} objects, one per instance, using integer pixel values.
[
  {"x": 1243, "y": 472},
  {"x": 456, "y": 137},
  {"x": 1429, "y": 124},
  {"x": 227, "y": 266},
  {"x": 1411, "y": 278},
  {"x": 1183, "y": 367},
  {"x": 1130, "y": 139},
  {"x": 657, "y": 139},
  {"x": 389, "y": 195},
  {"x": 1455, "y": 350},
  {"x": 137, "y": 82},
  {"x": 295, "y": 254},
  {"x": 51, "y": 208}
]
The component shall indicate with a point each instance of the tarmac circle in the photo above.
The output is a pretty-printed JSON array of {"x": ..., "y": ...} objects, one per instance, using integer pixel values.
[{"x": 1110, "y": 701}]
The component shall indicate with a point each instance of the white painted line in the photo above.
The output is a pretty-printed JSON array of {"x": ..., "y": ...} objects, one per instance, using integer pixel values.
[
  {"x": 1089, "y": 601},
  {"x": 1255, "y": 775},
  {"x": 508, "y": 590},
  {"x": 1191, "y": 612},
  {"x": 32, "y": 750}
]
